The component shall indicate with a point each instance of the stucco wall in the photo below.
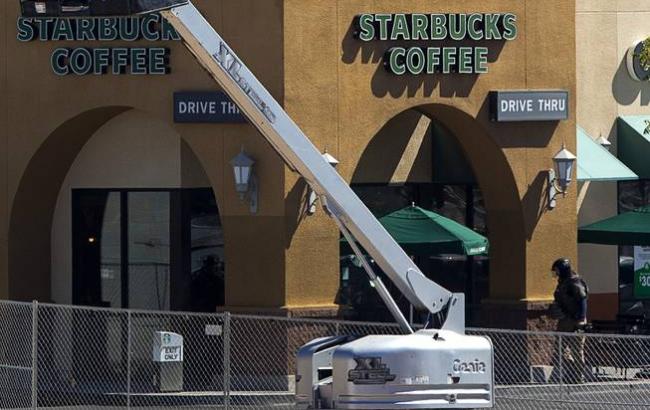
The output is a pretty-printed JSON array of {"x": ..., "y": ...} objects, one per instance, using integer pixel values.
[{"x": 605, "y": 30}]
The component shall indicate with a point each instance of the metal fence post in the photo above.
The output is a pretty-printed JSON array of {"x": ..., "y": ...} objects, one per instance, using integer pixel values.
[
  {"x": 226, "y": 360},
  {"x": 34, "y": 354},
  {"x": 128, "y": 359},
  {"x": 561, "y": 363}
]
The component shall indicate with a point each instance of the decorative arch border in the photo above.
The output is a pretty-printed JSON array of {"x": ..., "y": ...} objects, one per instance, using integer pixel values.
[
  {"x": 32, "y": 211},
  {"x": 493, "y": 172}
]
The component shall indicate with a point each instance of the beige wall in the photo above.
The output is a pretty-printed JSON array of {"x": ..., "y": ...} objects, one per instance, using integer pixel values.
[{"x": 605, "y": 30}]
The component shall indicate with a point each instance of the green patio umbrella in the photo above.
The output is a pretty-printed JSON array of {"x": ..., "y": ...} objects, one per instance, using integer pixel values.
[
  {"x": 630, "y": 228},
  {"x": 419, "y": 232}
]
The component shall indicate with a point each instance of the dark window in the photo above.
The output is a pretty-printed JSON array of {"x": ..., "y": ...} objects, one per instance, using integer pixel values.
[
  {"x": 631, "y": 195},
  {"x": 147, "y": 249},
  {"x": 458, "y": 273}
]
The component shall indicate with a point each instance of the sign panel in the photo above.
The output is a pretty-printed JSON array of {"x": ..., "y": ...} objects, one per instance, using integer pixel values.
[
  {"x": 642, "y": 272},
  {"x": 167, "y": 347},
  {"x": 413, "y": 40},
  {"x": 638, "y": 61},
  {"x": 206, "y": 107},
  {"x": 76, "y": 34},
  {"x": 508, "y": 106}
]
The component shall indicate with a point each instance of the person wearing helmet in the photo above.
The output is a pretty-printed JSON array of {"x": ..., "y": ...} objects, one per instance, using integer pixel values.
[{"x": 570, "y": 301}]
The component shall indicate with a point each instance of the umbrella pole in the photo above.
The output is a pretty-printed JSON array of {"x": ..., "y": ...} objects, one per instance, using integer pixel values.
[{"x": 375, "y": 280}]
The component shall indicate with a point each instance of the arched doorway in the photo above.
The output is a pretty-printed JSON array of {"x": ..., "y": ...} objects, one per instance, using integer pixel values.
[
  {"x": 130, "y": 218},
  {"x": 441, "y": 159}
]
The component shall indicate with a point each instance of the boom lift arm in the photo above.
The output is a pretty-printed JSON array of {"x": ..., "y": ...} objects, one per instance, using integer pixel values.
[{"x": 302, "y": 156}]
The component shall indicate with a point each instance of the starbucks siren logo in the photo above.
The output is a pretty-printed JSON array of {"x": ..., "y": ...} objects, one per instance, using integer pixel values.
[{"x": 638, "y": 60}]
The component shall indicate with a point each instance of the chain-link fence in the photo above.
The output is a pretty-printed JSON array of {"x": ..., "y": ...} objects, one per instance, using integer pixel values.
[
  {"x": 544, "y": 370},
  {"x": 64, "y": 357}
]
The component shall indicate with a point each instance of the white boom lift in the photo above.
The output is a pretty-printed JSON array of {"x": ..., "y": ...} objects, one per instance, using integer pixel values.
[{"x": 428, "y": 369}]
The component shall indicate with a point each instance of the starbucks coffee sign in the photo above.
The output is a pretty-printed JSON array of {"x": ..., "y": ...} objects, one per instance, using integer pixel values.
[
  {"x": 86, "y": 60},
  {"x": 425, "y": 31}
]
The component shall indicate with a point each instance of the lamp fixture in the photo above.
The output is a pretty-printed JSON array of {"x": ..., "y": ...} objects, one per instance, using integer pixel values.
[
  {"x": 604, "y": 142},
  {"x": 559, "y": 178},
  {"x": 311, "y": 196},
  {"x": 245, "y": 179}
]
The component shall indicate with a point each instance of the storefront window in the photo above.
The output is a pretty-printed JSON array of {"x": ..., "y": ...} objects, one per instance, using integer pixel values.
[
  {"x": 147, "y": 249},
  {"x": 451, "y": 202},
  {"x": 384, "y": 199},
  {"x": 207, "y": 277},
  {"x": 111, "y": 265},
  {"x": 631, "y": 195}
]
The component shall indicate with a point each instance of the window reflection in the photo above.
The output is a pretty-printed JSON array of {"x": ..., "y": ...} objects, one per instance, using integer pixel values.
[
  {"x": 207, "y": 253},
  {"x": 631, "y": 195},
  {"x": 111, "y": 266},
  {"x": 148, "y": 249}
]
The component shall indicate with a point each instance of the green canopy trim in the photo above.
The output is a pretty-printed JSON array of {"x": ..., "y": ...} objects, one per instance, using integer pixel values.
[
  {"x": 595, "y": 163},
  {"x": 422, "y": 232},
  {"x": 634, "y": 143},
  {"x": 630, "y": 228}
]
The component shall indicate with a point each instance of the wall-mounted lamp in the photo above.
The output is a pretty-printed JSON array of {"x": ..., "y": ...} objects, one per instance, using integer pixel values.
[
  {"x": 245, "y": 179},
  {"x": 312, "y": 197},
  {"x": 559, "y": 178},
  {"x": 604, "y": 142}
]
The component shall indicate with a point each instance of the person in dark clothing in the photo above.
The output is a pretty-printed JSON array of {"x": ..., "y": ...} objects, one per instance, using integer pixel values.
[
  {"x": 570, "y": 304},
  {"x": 208, "y": 286}
]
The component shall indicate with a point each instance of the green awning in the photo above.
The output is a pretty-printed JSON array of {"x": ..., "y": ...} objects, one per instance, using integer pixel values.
[
  {"x": 634, "y": 143},
  {"x": 595, "y": 163},
  {"x": 630, "y": 228},
  {"x": 422, "y": 232}
]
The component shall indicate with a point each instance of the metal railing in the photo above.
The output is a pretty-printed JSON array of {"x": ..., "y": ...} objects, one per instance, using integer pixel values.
[{"x": 62, "y": 357}]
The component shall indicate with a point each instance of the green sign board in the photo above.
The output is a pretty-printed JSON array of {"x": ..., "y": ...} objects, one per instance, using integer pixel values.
[
  {"x": 642, "y": 272},
  {"x": 102, "y": 60},
  {"x": 426, "y": 31}
]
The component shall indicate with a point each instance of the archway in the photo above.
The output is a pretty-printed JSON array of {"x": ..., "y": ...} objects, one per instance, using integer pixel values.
[
  {"x": 97, "y": 155},
  {"x": 33, "y": 205},
  {"x": 399, "y": 146}
]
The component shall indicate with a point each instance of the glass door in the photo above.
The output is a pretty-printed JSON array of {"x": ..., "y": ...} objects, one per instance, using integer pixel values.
[
  {"x": 97, "y": 249},
  {"x": 148, "y": 249}
]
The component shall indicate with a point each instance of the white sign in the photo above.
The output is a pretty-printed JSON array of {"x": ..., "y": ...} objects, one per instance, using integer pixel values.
[
  {"x": 167, "y": 347},
  {"x": 213, "y": 330},
  {"x": 642, "y": 272},
  {"x": 528, "y": 105}
]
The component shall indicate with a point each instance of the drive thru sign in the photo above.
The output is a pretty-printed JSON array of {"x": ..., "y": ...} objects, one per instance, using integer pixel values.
[{"x": 167, "y": 347}]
